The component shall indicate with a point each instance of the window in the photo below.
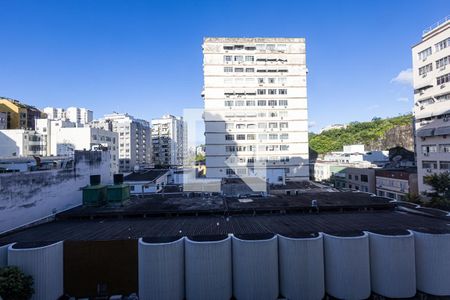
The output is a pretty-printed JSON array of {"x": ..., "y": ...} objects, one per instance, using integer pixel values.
[
  {"x": 241, "y": 171},
  {"x": 228, "y": 81},
  {"x": 444, "y": 148},
  {"x": 429, "y": 164},
  {"x": 262, "y": 125},
  {"x": 281, "y": 47},
  {"x": 251, "y": 126},
  {"x": 381, "y": 193},
  {"x": 284, "y": 136},
  {"x": 240, "y": 126},
  {"x": 262, "y": 136},
  {"x": 260, "y": 47},
  {"x": 425, "y": 69},
  {"x": 273, "y": 136},
  {"x": 250, "y": 103},
  {"x": 240, "y": 137},
  {"x": 284, "y": 147},
  {"x": 444, "y": 165},
  {"x": 272, "y": 91},
  {"x": 282, "y": 102},
  {"x": 250, "y": 70},
  {"x": 283, "y": 125},
  {"x": 390, "y": 195},
  {"x": 260, "y": 80},
  {"x": 262, "y": 114},
  {"x": 262, "y": 102},
  {"x": 442, "y": 62},
  {"x": 230, "y": 148},
  {"x": 239, "y": 70},
  {"x": 356, "y": 177},
  {"x": 230, "y": 172},
  {"x": 425, "y": 53},
  {"x": 273, "y": 125},
  {"x": 282, "y": 91},
  {"x": 228, "y": 69},
  {"x": 350, "y": 176},
  {"x": 429, "y": 148},
  {"x": 227, "y": 58},
  {"x": 270, "y": 47},
  {"x": 443, "y": 79},
  {"x": 229, "y": 125},
  {"x": 249, "y": 58},
  {"x": 442, "y": 44},
  {"x": 251, "y": 137},
  {"x": 273, "y": 114},
  {"x": 442, "y": 98},
  {"x": 227, "y": 47},
  {"x": 364, "y": 178},
  {"x": 238, "y": 47},
  {"x": 261, "y": 92},
  {"x": 239, "y": 103},
  {"x": 229, "y": 137},
  {"x": 271, "y": 80},
  {"x": 238, "y": 58},
  {"x": 228, "y": 103},
  {"x": 272, "y": 102}
]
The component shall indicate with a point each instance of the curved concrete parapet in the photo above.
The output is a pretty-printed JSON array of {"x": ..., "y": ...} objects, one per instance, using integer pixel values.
[
  {"x": 4, "y": 255},
  {"x": 433, "y": 262},
  {"x": 161, "y": 268},
  {"x": 44, "y": 262},
  {"x": 208, "y": 270},
  {"x": 255, "y": 267},
  {"x": 392, "y": 263},
  {"x": 347, "y": 267},
  {"x": 301, "y": 266}
]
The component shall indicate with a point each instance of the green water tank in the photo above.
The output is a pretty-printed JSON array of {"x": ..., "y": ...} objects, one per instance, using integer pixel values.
[
  {"x": 94, "y": 195},
  {"x": 118, "y": 193}
]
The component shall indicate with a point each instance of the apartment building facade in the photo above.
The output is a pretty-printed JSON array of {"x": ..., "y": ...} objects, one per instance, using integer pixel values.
[
  {"x": 133, "y": 139},
  {"x": 78, "y": 115},
  {"x": 22, "y": 143},
  {"x": 431, "y": 74},
  {"x": 19, "y": 115},
  {"x": 397, "y": 183},
  {"x": 255, "y": 106},
  {"x": 168, "y": 141}
]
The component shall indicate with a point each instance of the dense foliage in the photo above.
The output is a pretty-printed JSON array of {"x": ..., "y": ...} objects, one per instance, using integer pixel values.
[
  {"x": 14, "y": 284},
  {"x": 440, "y": 182},
  {"x": 355, "y": 133}
]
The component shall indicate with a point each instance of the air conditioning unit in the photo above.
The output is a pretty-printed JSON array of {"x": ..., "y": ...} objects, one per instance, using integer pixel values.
[
  {"x": 442, "y": 68},
  {"x": 429, "y": 170},
  {"x": 442, "y": 86}
]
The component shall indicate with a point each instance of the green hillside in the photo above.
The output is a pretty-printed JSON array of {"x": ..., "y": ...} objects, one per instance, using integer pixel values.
[{"x": 356, "y": 133}]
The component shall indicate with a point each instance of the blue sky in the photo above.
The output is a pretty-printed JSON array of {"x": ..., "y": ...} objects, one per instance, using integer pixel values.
[{"x": 145, "y": 58}]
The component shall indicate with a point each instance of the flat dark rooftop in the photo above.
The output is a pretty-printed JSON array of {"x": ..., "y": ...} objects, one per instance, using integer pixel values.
[
  {"x": 197, "y": 204},
  {"x": 285, "y": 224},
  {"x": 145, "y": 175}
]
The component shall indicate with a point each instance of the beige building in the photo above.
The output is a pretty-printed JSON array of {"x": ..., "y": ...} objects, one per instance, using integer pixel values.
[
  {"x": 256, "y": 115},
  {"x": 431, "y": 73}
]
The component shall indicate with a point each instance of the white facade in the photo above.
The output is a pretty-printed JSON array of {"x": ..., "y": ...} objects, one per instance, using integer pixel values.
[
  {"x": 133, "y": 139},
  {"x": 255, "y": 105},
  {"x": 78, "y": 115},
  {"x": 357, "y": 154},
  {"x": 168, "y": 140},
  {"x": 431, "y": 73},
  {"x": 22, "y": 142}
]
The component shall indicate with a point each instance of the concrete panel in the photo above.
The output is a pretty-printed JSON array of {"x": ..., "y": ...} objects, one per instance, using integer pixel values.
[
  {"x": 44, "y": 263},
  {"x": 255, "y": 267},
  {"x": 392, "y": 264},
  {"x": 208, "y": 268},
  {"x": 161, "y": 268},
  {"x": 301, "y": 267},
  {"x": 4, "y": 255},
  {"x": 433, "y": 263},
  {"x": 347, "y": 268}
]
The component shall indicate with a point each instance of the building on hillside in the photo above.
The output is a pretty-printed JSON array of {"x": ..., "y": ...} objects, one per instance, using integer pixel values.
[
  {"x": 3, "y": 120},
  {"x": 431, "y": 74},
  {"x": 80, "y": 116},
  {"x": 357, "y": 154},
  {"x": 255, "y": 106},
  {"x": 134, "y": 139},
  {"x": 22, "y": 143},
  {"x": 331, "y": 127},
  {"x": 19, "y": 115},
  {"x": 358, "y": 179},
  {"x": 168, "y": 141},
  {"x": 396, "y": 183}
]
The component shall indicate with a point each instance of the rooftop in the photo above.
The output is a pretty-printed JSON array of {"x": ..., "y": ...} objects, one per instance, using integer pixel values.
[
  {"x": 147, "y": 175},
  {"x": 436, "y": 25}
]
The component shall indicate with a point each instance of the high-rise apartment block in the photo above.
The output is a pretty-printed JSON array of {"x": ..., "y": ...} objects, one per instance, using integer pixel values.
[
  {"x": 168, "y": 141},
  {"x": 134, "y": 139},
  {"x": 256, "y": 113},
  {"x": 19, "y": 115},
  {"x": 80, "y": 116},
  {"x": 431, "y": 73}
]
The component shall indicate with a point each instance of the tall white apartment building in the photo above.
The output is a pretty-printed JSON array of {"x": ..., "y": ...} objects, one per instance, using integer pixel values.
[
  {"x": 80, "y": 116},
  {"x": 168, "y": 140},
  {"x": 431, "y": 67},
  {"x": 134, "y": 139},
  {"x": 256, "y": 113}
]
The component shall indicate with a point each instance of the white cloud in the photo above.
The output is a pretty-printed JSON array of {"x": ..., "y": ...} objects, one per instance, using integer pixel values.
[
  {"x": 404, "y": 77},
  {"x": 402, "y": 99}
]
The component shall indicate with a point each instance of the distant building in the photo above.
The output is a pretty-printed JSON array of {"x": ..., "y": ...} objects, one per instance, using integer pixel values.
[
  {"x": 357, "y": 154},
  {"x": 79, "y": 116},
  {"x": 358, "y": 179},
  {"x": 147, "y": 181},
  {"x": 22, "y": 143},
  {"x": 3, "y": 120},
  {"x": 255, "y": 106},
  {"x": 431, "y": 73},
  {"x": 396, "y": 183},
  {"x": 168, "y": 141},
  {"x": 134, "y": 139},
  {"x": 19, "y": 115}
]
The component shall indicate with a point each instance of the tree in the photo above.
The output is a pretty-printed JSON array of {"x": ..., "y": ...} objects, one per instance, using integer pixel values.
[
  {"x": 14, "y": 284},
  {"x": 441, "y": 186}
]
